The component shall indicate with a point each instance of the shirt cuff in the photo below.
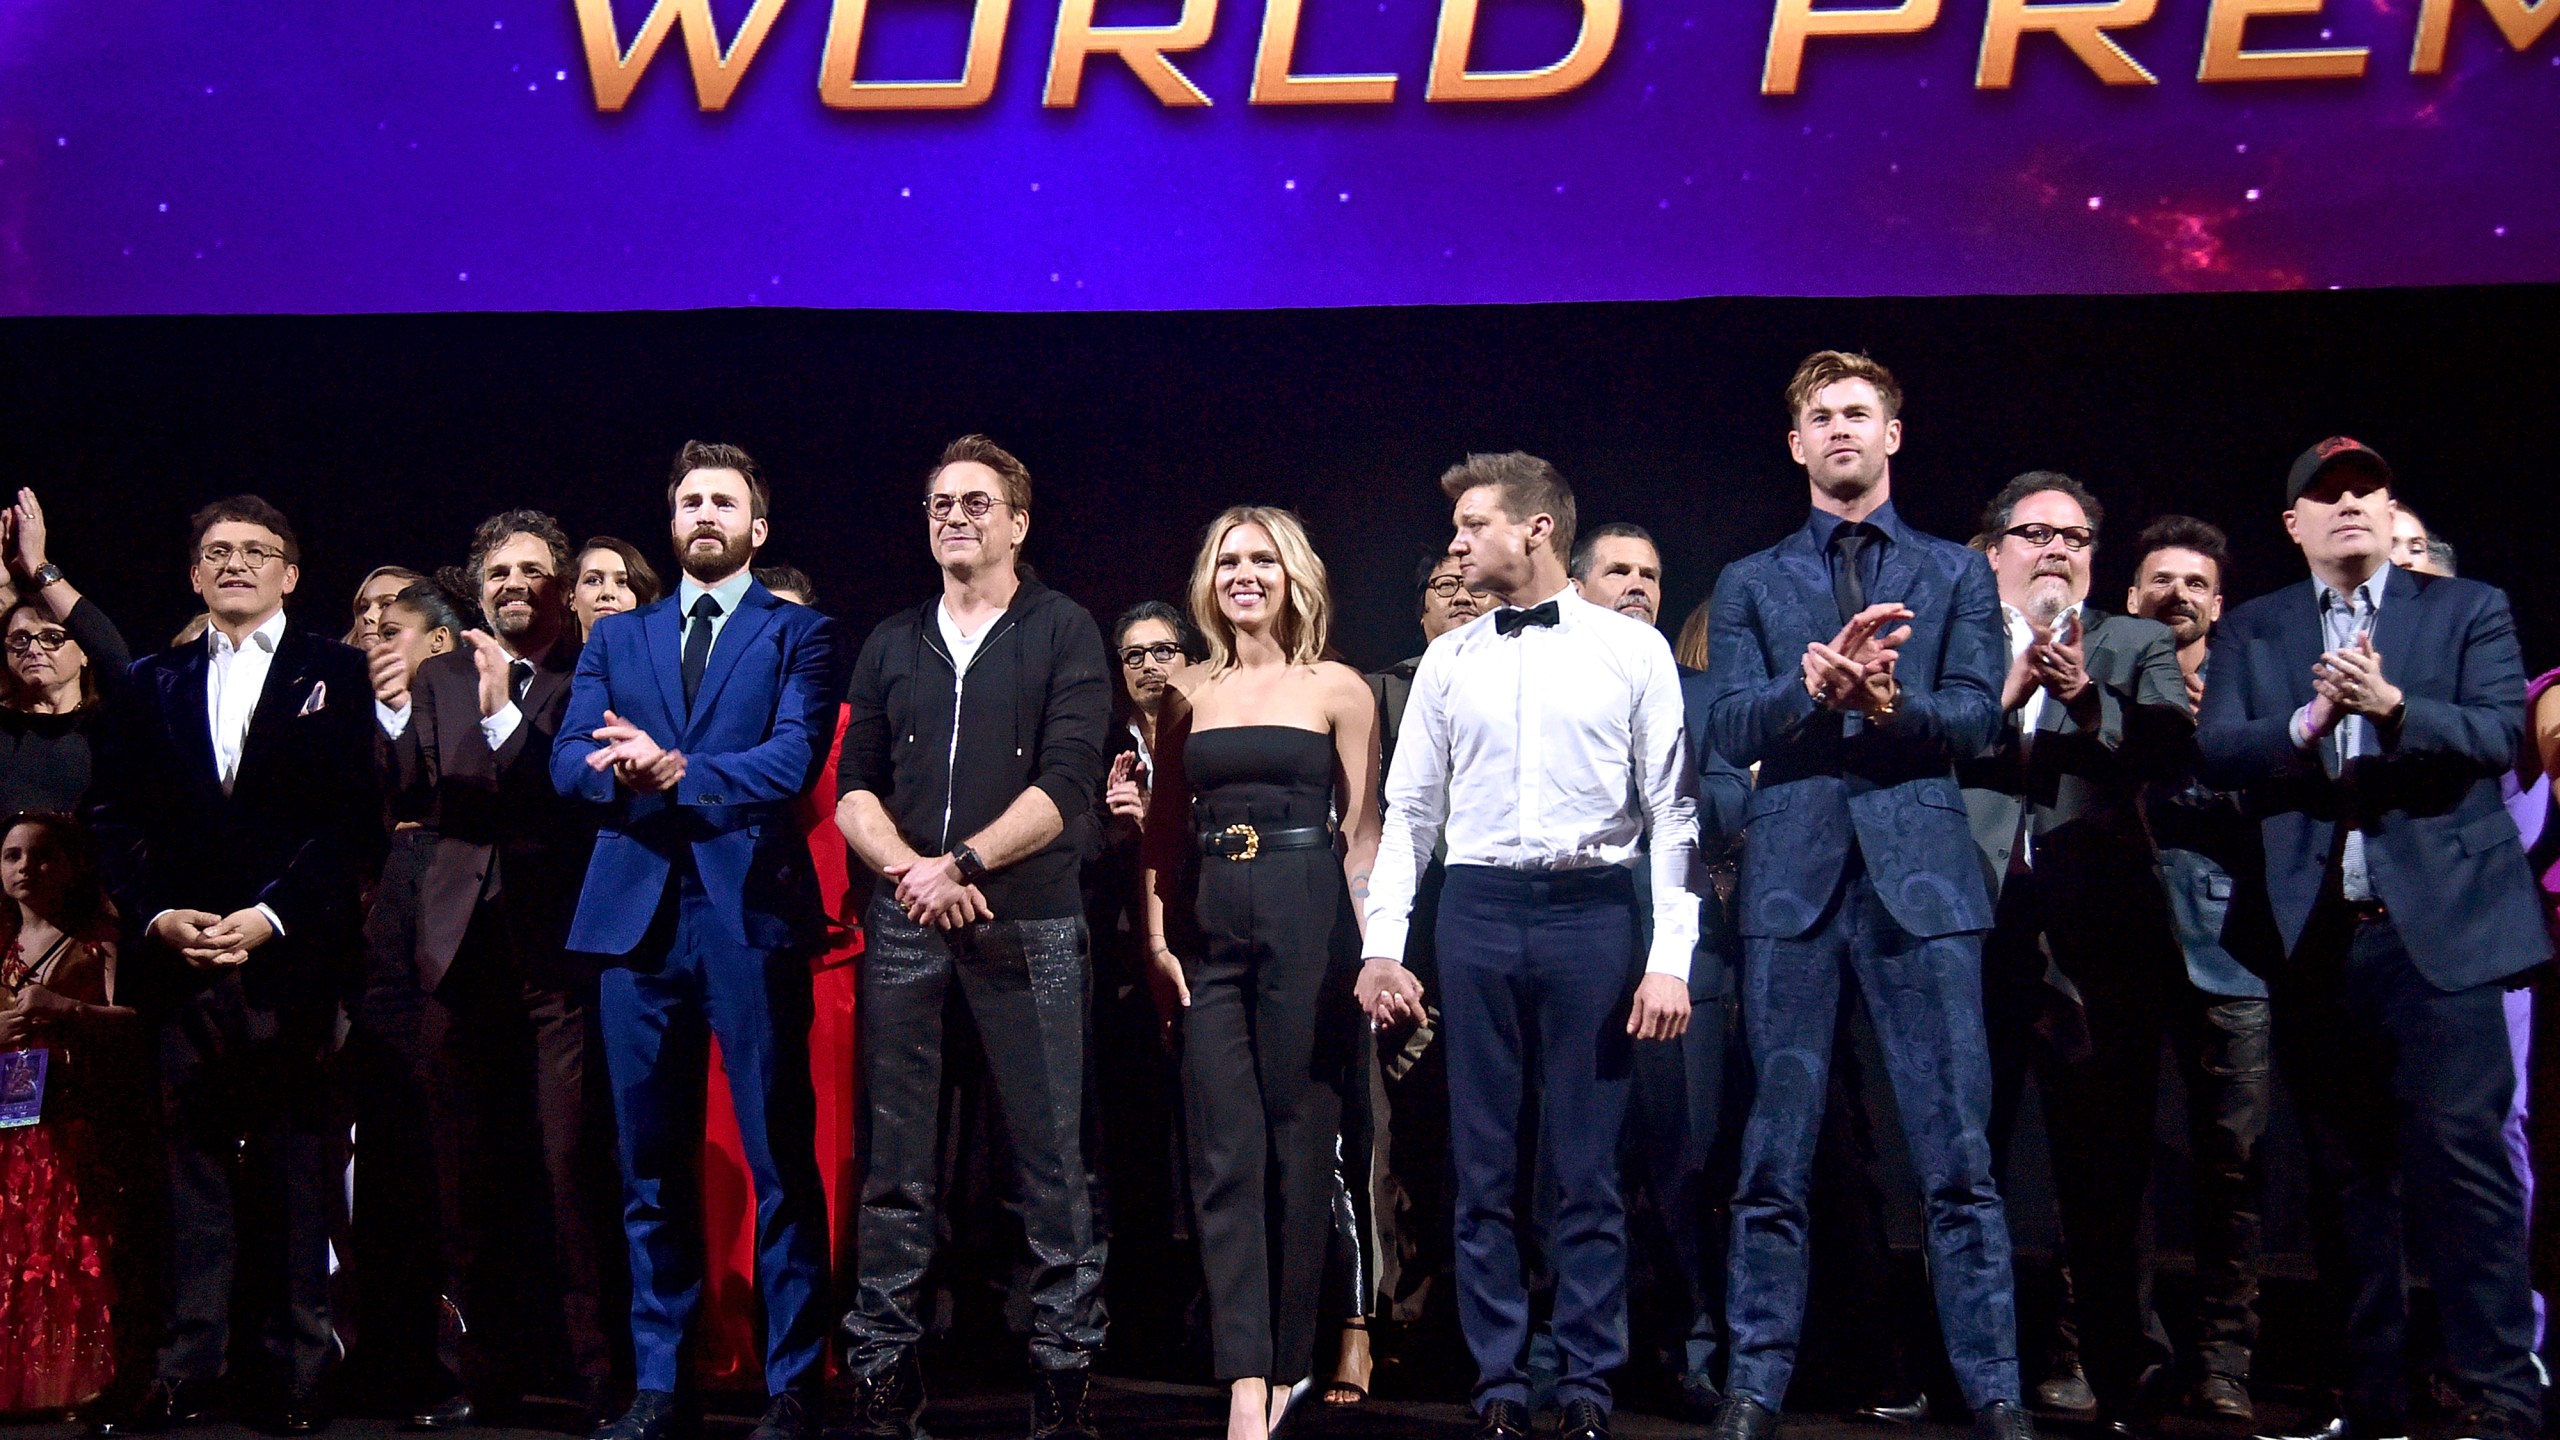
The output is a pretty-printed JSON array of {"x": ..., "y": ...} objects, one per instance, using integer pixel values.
[
  {"x": 499, "y": 728},
  {"x": 264, "y": 909},
  {"x": 1671, "y": 953},
  {"x": 393, "y": 721},
  {"x": 1386, "y": 939},
  {"x": 2298, "y": 729}
]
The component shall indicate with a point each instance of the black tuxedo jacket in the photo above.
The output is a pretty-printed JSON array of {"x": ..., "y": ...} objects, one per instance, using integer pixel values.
[
  {"x": 299, "y": 832},
  {"x": 504, "y": 836},
  {"x": 2442, "y": 853}
]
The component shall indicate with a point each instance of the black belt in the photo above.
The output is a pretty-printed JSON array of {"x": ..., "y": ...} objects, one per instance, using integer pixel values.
[{"x": 1244, "y": 842}]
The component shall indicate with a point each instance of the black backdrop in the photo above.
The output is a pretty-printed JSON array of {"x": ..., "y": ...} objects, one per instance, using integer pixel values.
[{"x": 387, "y": 438}]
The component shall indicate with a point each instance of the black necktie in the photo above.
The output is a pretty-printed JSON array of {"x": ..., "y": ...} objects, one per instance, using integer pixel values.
[
  {"x": 519, "y": 680},
  {"x": 697, "y": 646},
  {"x": 1512, "y": 622},
  {"x": 1848, "y": 581}
]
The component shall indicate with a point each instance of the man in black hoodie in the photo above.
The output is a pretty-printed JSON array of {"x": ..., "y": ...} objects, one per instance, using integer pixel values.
[{"x": 974, "y": 742}]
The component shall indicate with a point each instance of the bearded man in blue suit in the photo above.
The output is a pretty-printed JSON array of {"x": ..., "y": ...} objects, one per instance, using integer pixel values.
[
  {"x": 1855, "y": 662},
  {"x": 700, "y": 720}
]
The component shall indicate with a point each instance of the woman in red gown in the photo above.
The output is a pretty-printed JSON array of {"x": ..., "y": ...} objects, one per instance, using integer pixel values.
[{"x": 57, "y": 1185}]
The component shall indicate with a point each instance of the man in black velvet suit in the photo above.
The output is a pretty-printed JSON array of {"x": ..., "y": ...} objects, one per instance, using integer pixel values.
[
  {"x": 508, "y": 1037},
  {"x": 244, "y": 768},
  {"x": 2370, "y": 714}
]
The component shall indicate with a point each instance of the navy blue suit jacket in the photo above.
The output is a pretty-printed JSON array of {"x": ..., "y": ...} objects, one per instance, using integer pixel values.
[
  {"x": 2442, "y": 852},
  {"x": 762, "y": 723},
  {"x": 1827, "y": 782}
]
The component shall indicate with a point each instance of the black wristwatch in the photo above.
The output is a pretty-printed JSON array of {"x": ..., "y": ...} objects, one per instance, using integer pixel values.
[
  {"x": 47, "y": 574},
  {"x": 966, "y": 861}
]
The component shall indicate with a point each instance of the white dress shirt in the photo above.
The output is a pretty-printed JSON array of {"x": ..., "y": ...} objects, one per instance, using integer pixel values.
[
  {"x": 1557, "y": 748},
  {"x": 234, "y": 677},
  {"x": 731, "y": 593},
  {"x": 2342, "y": 618}
]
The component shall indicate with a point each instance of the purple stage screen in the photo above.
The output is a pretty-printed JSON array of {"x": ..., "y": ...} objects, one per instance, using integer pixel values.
[{"x": 421, "y": 155}]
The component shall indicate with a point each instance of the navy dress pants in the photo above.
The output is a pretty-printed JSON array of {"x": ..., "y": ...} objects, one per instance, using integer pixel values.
[
  {"x": 687, "y": 980},
  {"x": 1924, "y": 996},
  {"x": 1536, "y": 973}
]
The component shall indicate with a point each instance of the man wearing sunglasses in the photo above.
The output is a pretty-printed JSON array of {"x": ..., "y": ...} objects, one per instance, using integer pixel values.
[
  {"x": 976, "y": 730},
  {"x": 2078, "y": 964}
]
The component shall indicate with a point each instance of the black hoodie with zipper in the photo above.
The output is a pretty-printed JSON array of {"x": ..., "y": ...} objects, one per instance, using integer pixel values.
[{"x": 948, "y": 753}]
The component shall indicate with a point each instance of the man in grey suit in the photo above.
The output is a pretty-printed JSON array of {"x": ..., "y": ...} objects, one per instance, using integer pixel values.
[{"x": 2076, "y": 970}]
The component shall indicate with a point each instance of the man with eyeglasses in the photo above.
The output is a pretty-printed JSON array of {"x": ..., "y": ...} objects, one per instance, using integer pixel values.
[
  {"x": 1417, "y": 1268},
  {"x": 245, "y": 771},
  {"x": 976, "y": 732},
  {"x": 2078, "y": 964}
]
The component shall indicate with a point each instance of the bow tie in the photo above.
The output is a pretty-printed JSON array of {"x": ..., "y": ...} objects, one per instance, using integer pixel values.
[{"x": 1512, "y": 622}]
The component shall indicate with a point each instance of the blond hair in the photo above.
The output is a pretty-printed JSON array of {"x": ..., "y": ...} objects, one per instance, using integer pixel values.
[{"x": 1303, "y": 624}]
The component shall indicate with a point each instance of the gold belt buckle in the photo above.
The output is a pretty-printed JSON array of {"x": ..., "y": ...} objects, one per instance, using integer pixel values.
[{"x": 1252, "y": 841}]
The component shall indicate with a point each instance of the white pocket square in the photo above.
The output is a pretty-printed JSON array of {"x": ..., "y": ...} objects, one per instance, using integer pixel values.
[{"x": 319, "y": 697}]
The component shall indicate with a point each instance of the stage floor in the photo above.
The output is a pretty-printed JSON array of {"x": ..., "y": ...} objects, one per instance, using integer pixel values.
[{"x": 1149, "y": 1410}]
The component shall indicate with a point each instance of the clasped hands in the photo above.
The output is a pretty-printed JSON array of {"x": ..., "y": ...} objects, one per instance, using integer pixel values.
[
  {"x": 932, "y": 893},
  {"x": 638, "y": 761},
  {"x": 1389, "y": 993},
  {"x": 2348, "y": 681},
  {"x": 35, "y": 1011},
  {"x": 210, "y": 942},
  {"x": 2055, "y": 661},
  {"x": 1854, "y": 673}
]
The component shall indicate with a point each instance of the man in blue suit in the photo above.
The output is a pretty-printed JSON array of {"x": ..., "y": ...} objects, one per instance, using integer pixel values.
[
  {"x": 1855, "y": 661},
  {"x": 2370, "y": 715},
  {"x": 699, "y": 721}
]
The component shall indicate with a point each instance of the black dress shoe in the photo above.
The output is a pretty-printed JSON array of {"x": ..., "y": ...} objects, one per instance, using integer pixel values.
[
  {"x": 1699, "y": 1398},
  {"x": 300, "y": 1414},
  {"x": 1743, "y": 1418},
  {"x": 1894, "y": 1412},
  {"x": 2492, "y": 1422},
  {"x": 453, "y": 1412},
  {"x": 163, "y": 1404},
  {"x": 654, "y": 1415},
  {"x": 2066, "y": 1393},
  {"x": 2221, "y": 1397},
  {"x": 1583, "y": 1419},
  {"x": 791, "y": 1415},
  {"x": 1058, "y": 1408},
  {"x": 890, "y": 1404},
  {"x": 1502, "y": 1420},
  {"x": 2003, "y": 1420}
]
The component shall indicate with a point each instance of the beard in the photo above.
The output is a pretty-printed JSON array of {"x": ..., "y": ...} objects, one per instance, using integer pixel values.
[
  {"x": 707, "y": 565},
  {"x": 2047, "y": 597}
]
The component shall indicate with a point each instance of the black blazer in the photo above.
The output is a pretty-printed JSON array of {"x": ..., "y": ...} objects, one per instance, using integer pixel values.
[
  {"x": 501, "y": 830},
  {"x": 2443, "y": 854},
  {"x": 299, "y": 832},
  {"x": 2080, "y": 790}
]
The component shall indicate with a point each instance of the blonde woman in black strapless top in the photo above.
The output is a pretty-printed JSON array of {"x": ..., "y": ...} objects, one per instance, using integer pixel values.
[{"x": 1264, "y": 820}]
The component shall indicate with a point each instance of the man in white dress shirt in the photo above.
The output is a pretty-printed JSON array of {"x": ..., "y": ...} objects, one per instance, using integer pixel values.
[{"x": 1547, "y": 739}]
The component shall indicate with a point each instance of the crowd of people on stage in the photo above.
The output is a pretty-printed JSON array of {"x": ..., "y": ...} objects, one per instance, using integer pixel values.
[{"x": 1521, "y": 987}]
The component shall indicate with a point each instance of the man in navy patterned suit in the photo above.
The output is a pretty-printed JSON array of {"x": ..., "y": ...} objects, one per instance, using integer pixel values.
[{"x": 1855, "y": 662}]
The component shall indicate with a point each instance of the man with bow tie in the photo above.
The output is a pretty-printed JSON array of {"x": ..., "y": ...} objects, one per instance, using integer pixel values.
[
  {"x": 508, "y": 1036},
  {"x": 245, "y": 774},
  {"x": 1548, "y": 740},
  {"x": 1855, "y": 662}
]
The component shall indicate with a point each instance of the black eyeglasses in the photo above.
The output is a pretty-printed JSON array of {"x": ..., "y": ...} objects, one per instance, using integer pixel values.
[
  {"x": 1446, "y": 587},
  {"x": 2074, "y": 537},
  {"x": 1163, "y": 652},
  {"x": 49, "y": 640},
  {"x": 975, "y": 504}
]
